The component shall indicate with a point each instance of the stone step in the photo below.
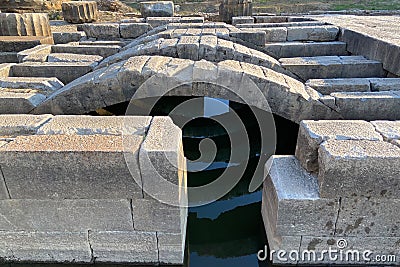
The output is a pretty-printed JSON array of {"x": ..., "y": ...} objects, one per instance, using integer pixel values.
[
  {"x": 328, "y": 86},
  {"x": 14, "y": 101},
  {"x": 41, "y": 84},
  {"x": 326, "y": 67},
  {"x": 66, "y": 72},
  {"x": 19, "y": 43},
  {"x": 282, "y": 24},
  {"x": 305, "y": 49},
  {"x": 8, "y": 57},
  {"x": 74, "y": 48},
  {"x": 68, "y": 57}
]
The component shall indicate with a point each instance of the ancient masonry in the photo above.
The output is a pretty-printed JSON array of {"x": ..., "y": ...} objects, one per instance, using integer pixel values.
[{"x": 74, "y": 195}]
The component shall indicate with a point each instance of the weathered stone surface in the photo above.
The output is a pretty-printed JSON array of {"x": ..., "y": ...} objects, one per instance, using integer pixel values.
[
  {"x": 390, "y": 130},
  {"x": 133, "y": 30},
  {"x": 188, "y": 47},
  {"x": 89, "y": 125},
  {"x": 66, "y": 72},
  {"x": 271, "y": 19},
  {"x": 67, "y": 57},
  {"x": 124, "y": 247},
  {"x": 385, "y": 84},
  {"x": 29, "y": 24},
  {"x": 14, "y": 125},
  {"x": 22, "y": 102},
  {"x": 289, "y": 193},
  {"x": 19, "y": 43},
  {"x": 67, "y": 37},
  {"x": 312, "y": 33},
  {"x": 158, "y": 21},
  {"x": 326, "y": 67},
  {"x": 313, "y": 133},
  {"x": 368, "y": 105},
  {"x": 80, "y": 11},
  {"x": 106, "y": 31},
  {"x": 157, "y": 9},
  {"x": 258, "y": 38},
  {"x": 275, "y": 34},
  {"x": 42, "y": 85},
  {"x": 342, "y": 162},
  {"x": 373, "y": 217},
  {"x": 56, "y": 247},
  {"x": 328, "y": 86},
  {"x": 37, "y": 54},
  {"x": 229, "y": 9},
  {"x": 101, "y": 50},
  {"x": 242, "y": 20},
  {"x": 68, "y": 166},
  {"x": 65, "y": 215},
  {"x": 171, "y": 248},
  {"x": 8, "y": 57}
]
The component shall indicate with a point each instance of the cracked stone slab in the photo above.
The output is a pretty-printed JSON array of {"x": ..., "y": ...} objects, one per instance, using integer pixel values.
[
  {"x": 56, "y": 247},
  {"x": 343, "y": 162},
  {"x": 390, "y": 130},
  {"x": 313, "y": 133},
  {"x": 124, "y": 246},
  {"x": 72, "y": 166},
  {"x": 14, "y": 125},
  {"x": 292, "y": 202},
  {"x": 67, "y": 215},
  {"x": 89, "y": 125}
]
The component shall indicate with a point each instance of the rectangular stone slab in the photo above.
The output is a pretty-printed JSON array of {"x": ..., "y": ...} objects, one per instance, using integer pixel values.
[
  {"x": 313, "y": 133},
  {"x": 100, "y": 50},
  {"x": 390, "y": 130},
  {"x": 14, "y": 125},
  {"x": 292, "y": 202},
  {"x": 329, "y": 86},
  {"x": 353, "y": 168},
  {"x": 72, "y": 166},
  {"x": 19, "y": 102}
]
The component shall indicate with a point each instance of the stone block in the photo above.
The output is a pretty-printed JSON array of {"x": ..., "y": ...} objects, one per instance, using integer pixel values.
[
  {"x": 66, "y": 72},
  {"x": 8, "y": 57},
  {"x": 157, "y": 9},
  {"x": 14, "y": 125},
  {"x": 171, "y": 248},
  {"x": 313, "y": 133},
  {"x": 242, "y": 20},
  {"x": 80, "y": 11},
  {"x": 188, "y": 47},
  {"x": 67, "y": 57},
  {"x": 158, "y": 21},
  {"x": 42, "y": 85},
  {"x": 270, "y": 19},
  {"x": 28, "y": 24},
  {"x": 72, "y": 166},
  {"x": 134, "y": 30},
  {"x": 258, "y": 38},
  {"x": 105, "y": 31},
  {"x": 312, "y": 33},
  {"x": 67, "y": 37},
  {"x": 385, "y": 84},
  {"x": 390, "y": 130},
  {"x": 37, "y": 54},
  {"x": 275, "y": 34},
  {"x": 19, "y": 43},
  {"x": 124, "y": 246},
  {"x": 67, "y": 215},
  {"x": 100, "y": 50},
  {"x": 292, "y": 201},
  {"x": 329, "y": 86},
  {"x": 14, "y": 102},
  {"x": 89, "y": 125},
  {"x": 368, "y": 105},
  {"x": 5, "y": 69},
  {"x": 343, "y": 162}
]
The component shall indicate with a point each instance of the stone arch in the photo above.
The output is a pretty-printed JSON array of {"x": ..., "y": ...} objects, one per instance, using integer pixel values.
[{"x": 117, "y": 83}]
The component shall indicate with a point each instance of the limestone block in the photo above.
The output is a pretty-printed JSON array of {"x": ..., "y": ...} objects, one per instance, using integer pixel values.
[
  {"x": 242, "y": 20},
  {"x": 369, "y": 105},
  {"x": 276, "y": 34},
  {"x": 14, "y": 102},
  {"x": 292, "y": 201},
  {"x": 8, "y": 57},
  {"x": 55, "y": 247},
  {"x": 171, "y": 248},
  {"x": 80, "y": 11},
  {"x": 134, "y": 30},
  {"x": 66, "y": 72},
  {"x": 71, "y": 166},
  {"x": 37, "y": 54},
  {"x": 270, "y": 19},
  {"x": 312, "y": 33},
  {"x": 343, "y": 162},
  {"x": 124, "y": 246},
  {"x": 19, "y": 43},
  {"x": 385, "y": 84},
  {"x": 390, "y": 130},
  {"x": 67, "y": 215},
  {"x": 188, "y": 47},
  {"x": 67, "y": 37},
  {"x": 258, "y": 38},
  {"x": 328, "y": 86},
  {"x": 158, "y": 21},
  {"x": 66, "y": 57},
  {"x": 28, "y": 24},
  {"x": 106, "y": 31},
  {"x": 14, "y": 125},
  {"x": 42, "y": 85},
  {"x": 157, "y": 9},
  {"x": 89, "y": 125},
  {"x": 86, "y": 49},
  {"x": 313, "y": 133}
]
